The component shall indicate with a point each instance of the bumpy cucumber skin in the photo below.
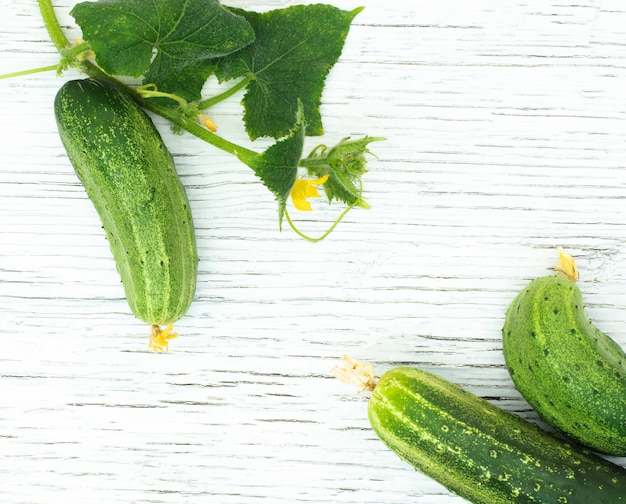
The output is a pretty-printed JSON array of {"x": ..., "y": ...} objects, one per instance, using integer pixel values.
[
  {"x": 130, "y": 177},
  {"x": 481, "y": 452},
  {"x": 572, "y": 374}
]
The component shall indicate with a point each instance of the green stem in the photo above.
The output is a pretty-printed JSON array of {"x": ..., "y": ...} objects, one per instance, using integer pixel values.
[
  {"x": 312, "y": 162},
  {"x": 178, "y": 119},
  {"x": 70, "y": 53},
  {"x": 95, "y": 71},
  {"x": 209, "y": 102},
  {"x": 52, "y": 25},
  {"x": 330, "y": 229},
  {"x": 28, "y": 72},
  {"x": 151, "y": 91}
]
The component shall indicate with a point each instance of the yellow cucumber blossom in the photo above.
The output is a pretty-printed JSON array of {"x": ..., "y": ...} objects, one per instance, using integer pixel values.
[
  {"x": 159, "y": 338},
  {"x": 568, "y": 266},
  {"x": 304, "y": 189},
  {"x": 208, "y": 122}
]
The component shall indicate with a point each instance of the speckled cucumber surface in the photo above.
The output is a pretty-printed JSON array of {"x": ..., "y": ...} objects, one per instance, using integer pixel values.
[
  {"x": 571, "y": 373},
  {"x": 481, "y": 452},
  {"x": 129, "y": 175}
]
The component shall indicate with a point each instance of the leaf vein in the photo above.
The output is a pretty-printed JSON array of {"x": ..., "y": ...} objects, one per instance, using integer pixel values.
[{"x": 177, "y": 22}]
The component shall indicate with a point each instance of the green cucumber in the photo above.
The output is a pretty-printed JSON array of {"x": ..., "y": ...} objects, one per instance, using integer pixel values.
[
  {"x": 481, "y": 452},
  {"x": 130, "y": 177},
  {"x": 570, "y": 372}
]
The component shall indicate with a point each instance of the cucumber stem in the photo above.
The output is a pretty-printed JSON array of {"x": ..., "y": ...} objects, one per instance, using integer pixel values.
[
  {"x": 198, "y": 130},
  {"x": 151, "y": 91},
  {"x": 30, "y": 71},
  {"x": 70, "y": 53},
  {"x": 209, "y": 102},
  {"x": 328, "y": 231},
  {"x": 52, "y": 25}
]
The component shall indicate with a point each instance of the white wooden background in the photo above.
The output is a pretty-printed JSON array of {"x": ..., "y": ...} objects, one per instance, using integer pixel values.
[{"x": 506, "y": 127}]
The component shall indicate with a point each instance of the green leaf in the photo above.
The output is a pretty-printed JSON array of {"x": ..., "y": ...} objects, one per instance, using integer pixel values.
[
  {"x": 172, "y": 44},
  {"x": 277, "y": 166},
  {"x": 289, "y": 60},
  {"x": 345, "y": 164}
]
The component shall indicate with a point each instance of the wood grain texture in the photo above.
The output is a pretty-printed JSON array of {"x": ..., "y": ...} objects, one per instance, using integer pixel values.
[{"x": 506, "y": 127}]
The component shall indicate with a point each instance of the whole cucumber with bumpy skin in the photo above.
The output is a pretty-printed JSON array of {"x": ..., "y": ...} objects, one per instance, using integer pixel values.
[
  {"x": 570, "y": 372},
  {"x": 130, "y": 177},
  {"x": 481, "y": 452}
]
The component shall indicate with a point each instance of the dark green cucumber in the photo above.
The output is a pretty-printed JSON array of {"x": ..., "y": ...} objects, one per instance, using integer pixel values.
[
  {"x": 130, "y": 177},
  {"x": 481, "y": 452},
  {"x": 569, "y": 371}
]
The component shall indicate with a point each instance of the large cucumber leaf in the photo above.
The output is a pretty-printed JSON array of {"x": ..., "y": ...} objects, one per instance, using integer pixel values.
[
  {"x": 173, "y": 44},
  {"x": 293, "y": 51}
]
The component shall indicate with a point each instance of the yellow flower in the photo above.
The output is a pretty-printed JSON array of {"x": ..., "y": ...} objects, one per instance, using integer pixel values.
[
  {"x": 568, "y": 266},
  {"x": 159, "y": 337},
  {"x": 208, "y": 122},
  {"x": 304, "y": 189}
]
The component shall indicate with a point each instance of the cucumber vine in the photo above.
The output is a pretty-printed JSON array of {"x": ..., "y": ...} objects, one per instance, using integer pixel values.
[{"x": 280, "y": 58}]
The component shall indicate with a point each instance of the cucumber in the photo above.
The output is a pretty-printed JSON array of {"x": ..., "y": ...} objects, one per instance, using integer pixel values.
[
  {"x": 570, "y": 372},
  {"x": 481, "y": 452},
  {"x": 130, "y": 177}
]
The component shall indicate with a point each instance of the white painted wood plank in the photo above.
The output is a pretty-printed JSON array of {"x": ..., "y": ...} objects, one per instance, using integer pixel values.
[{"x": 506, "y": 138}]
